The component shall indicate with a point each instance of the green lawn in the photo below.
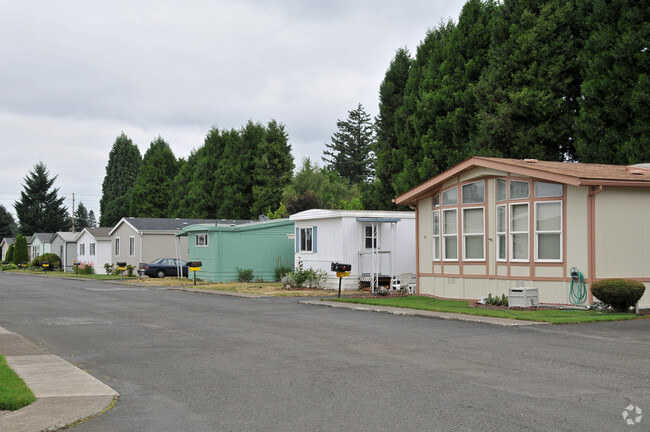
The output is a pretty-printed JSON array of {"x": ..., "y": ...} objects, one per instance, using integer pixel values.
[
  {"x": 66, "y": 274},
  {"x": 14, "y": 394},
  {"x": 553, "y": 316}
]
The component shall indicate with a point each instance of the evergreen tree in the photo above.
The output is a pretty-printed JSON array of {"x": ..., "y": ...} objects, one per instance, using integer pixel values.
[
  {"x": 21, "y": 254},
  {"x": 391, "y": 97},
  {"x": 81, "y": 217},
  {"x": 10, "y": 254},
  {"x": 234, "y": 187},
  {"x": 273, "y": 169},
  {"x": 92, "y": 220},
  {"x": 151, "y": 192},
  {"x": 614, "y": 121},
  {"x": 122, "y": 171},
  {"x": 39, "y": 208},
  {"x": 8, "y": 227},
  {"x": 351, "y": 151}
]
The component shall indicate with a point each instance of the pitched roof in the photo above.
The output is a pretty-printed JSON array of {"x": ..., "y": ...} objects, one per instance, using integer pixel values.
[
  {"x": 67, "y": 237},
  {"x": 43, "y": 237},
  {"x": 577, "y": 174},
  {"x": 97, "y": 232},
  {"x": 164, "y": 224},
  {"x": 8, "y": 240}
]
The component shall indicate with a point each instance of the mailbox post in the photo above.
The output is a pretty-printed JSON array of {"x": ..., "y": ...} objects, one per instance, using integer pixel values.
[
  {"x": 121, "y": 266},
  {"x": 76, "y": 263},
  {"x": 194, "y": 266},
  {"x": 342, "y": 270}
]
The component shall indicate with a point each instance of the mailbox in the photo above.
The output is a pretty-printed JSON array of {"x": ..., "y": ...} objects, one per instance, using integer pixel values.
[
  {"x": 341, "y": 268},
  {"x": 194, "y": 265},
  {"x": 121, "y": 265},
  {"x": 45, "y": 264}
]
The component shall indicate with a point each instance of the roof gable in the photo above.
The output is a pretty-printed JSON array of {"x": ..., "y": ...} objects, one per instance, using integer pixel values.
[{"x": 170, "y": 224}]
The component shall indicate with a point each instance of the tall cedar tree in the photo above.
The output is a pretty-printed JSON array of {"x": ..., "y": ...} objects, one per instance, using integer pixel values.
[
  {"x": 614, "y": 121},
  {"x": 152, "y": 190},
  {"x": 9, "y": 258},
  {"x": 21, "y": 254},
  {"x": 272, "y": 170},
  {"x": 351, "y": 151},
  {"x": 122, "y": 171},
  {"x": 8, "y": 227},
  {"x": 92, "y": 220},
  {"x": 39, "y": 208},
  {"x": 81, "y": 217},
  {"x": 391, "y": 95}
]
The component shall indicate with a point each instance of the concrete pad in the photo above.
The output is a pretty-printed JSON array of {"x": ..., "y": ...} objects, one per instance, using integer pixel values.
[
  {"x": 425, "y": 314},
  {"x": 53, "y": 413},
  {"x": 48, "y": 375},
  {"x": 13, "y": 344}
]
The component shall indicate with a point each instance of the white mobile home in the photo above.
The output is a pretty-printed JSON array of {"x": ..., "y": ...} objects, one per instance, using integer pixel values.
[
  {"x": 64, "y": 244},
  {"x": 94, "y": 248},
  {"x": 380, "y": 245}
]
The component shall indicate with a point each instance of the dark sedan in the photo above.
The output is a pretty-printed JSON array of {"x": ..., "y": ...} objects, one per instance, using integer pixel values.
[{"x": 162, "y": 267}]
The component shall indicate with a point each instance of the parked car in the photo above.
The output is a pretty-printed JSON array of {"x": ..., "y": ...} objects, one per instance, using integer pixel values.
[{"x": 162, "y": 267}]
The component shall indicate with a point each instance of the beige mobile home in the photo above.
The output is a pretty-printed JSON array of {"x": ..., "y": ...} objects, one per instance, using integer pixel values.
[{"x": 490, "y": 224}]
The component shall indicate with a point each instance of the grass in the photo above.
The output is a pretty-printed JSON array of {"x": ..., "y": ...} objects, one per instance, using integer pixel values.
[
  {"x": 261, "y": 288},
  {"x": 14, "y": 394},
  {"x": 68, "y": 274},
  {"x": 553, "y": 316}
]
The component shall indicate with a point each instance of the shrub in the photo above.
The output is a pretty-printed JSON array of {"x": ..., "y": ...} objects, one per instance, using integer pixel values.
[
  {"x": 109, "y": 268},
  {"x": 10, "y": 266},
  {"x": 496, "y": 300},
  {"x": 20, "y": 250},
  {"x": 244, "y": 275},
  {"x": 281, "y": 270},
  {"x": 620, "y": 294},
  {"x": 10, "y": 254},
  {"x": 84, "y": 268},
  {"x": 129, "y": 270},
  {"x": 301, "y": 277},
  {"x": 52, "y": 259}
]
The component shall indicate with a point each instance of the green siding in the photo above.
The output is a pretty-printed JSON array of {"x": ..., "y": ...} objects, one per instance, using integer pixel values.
[{"x": 259, "y": 246}]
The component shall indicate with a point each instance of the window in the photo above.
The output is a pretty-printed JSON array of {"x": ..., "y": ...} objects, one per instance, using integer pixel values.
[
  {"x": 548, "y": 231},
  {"x": 519, "y": 232},
  {"x": 436, "y": 201},
  {"x": 501, "y": 233},
  {"x": 82, "y": 249},
  {"x": 450, "y": 234},
  {"x": 117, "y": 246},
  {"x": 201, "y": 240},
  {"x": 131, "y": 246},
  {"x": 473, "y": 234},
  {"x": 371, "y": 237},
  {"x": 306, "y": 237},
  {"x": 474, "y": 193},
  {"x": 450, "y": 196},
  {"x": 519, "y": 189},
  {"x": 436, "y": 235},
  {"x": 502, "y": 190},
  {"x": 545, "y": 190},
  {"x": 92, "y": 249}
]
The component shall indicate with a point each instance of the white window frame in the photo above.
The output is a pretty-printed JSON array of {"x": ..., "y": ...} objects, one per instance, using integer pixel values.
[
  {"x": 466, "y": 235},
  {"x": 537, "y": 232},
  {"x": 116, "y": 246},
  {"x": 374, "y": 237},
  {"x": 131, "y": 246},
  {"x": 436, "y": 237},
  {"x": 82, "y": 248},
  {"x": 303, "y": 242},
  {"x": 203, "y": 242},
  {"x": 445, "y": 235},
  {"x": 512, "y": 232},
  {"x": 92, "y": 249},
  {"x": 503, "y": 234}
]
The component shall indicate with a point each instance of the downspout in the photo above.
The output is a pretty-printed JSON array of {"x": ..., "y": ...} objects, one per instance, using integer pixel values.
[
  {"x": 140, "y": 248},
  {"x": 417, "y": 250},
  {"x": 591, "y": 236}
]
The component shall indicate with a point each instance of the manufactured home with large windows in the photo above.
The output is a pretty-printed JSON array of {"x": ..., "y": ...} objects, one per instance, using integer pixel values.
[{"x": 491, "y": 224}]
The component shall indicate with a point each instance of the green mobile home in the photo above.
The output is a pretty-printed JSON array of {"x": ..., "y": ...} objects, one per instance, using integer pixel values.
[{"x": 260, "y": 246}]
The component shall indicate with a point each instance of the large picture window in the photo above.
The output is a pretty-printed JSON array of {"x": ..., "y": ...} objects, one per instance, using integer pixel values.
[
  {"x": 450, "y": 234},
  {"x": 473, "y": 234},
  {"x": 548, "y": 231}
]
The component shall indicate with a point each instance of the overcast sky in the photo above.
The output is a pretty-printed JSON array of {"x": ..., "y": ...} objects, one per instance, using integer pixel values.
[{"x": 74, "y": 74}]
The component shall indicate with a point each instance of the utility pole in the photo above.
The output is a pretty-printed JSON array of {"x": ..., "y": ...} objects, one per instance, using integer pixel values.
[{"x": 72, "y": 211}]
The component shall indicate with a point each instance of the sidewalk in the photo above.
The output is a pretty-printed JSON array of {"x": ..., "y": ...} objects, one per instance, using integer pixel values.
[
  {"x": 64, "y": 393},
  {"x": 425, "y": 314}
]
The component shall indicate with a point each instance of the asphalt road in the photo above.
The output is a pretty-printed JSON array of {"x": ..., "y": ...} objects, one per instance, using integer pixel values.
[{"x": 199, "y": 362}]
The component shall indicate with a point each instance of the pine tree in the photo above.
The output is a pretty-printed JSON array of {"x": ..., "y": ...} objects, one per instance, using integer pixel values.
[
  {"x": 92, "y": 220},
  {"x": 121, "y": 173},
  {"x": 9, "y": 258},
  {"x": 351, "y": 151},
  {"x": 81, "y": 217},
  {"x": 151, "y": 192},
  {"x": 39, "y": 208},
  {"x": 21, "y": 254},
  {"x": 8, "y": 227}
]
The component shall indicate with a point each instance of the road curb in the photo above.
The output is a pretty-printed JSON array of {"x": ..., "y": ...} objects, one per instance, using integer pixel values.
[{"x": 425, "y": 314}]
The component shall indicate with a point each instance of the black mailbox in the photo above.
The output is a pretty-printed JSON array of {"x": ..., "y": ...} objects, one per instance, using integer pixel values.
[
  {"x": 194, "y": 264},
  {"x": 338, "y": 267},
  {"x": 121, "y": 263}
]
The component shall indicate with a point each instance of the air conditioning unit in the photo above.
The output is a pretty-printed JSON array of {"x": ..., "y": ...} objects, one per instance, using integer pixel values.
[{"x": 523, "y": 297}]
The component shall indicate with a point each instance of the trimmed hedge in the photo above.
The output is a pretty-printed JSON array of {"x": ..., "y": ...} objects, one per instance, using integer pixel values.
[
  {"x": 52, "y": 259},
  {"x": 620, "y": 294}
]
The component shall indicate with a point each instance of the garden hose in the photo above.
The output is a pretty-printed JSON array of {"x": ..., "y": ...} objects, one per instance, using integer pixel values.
[{"x": 578, "y": 293}]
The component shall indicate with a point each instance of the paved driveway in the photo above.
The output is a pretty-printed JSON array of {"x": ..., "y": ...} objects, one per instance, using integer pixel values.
[{"x": 200, "y": 362}]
